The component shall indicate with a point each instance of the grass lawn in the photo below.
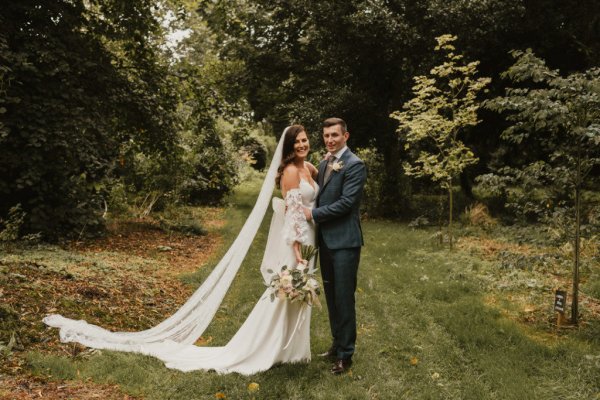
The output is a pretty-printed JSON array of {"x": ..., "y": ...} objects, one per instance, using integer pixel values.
[{"x": 433, "y": 324}]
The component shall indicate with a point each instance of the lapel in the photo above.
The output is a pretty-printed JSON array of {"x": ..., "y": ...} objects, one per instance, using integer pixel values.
[
  {"x": 322, "y": 168},
  {"x": 344, "y": 159}
]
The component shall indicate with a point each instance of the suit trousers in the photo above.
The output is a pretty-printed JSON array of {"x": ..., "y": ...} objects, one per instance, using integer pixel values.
[{"x": 339, "y": 270}]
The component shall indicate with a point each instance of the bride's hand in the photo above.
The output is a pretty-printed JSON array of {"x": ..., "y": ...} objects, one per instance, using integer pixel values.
[
  {"x": 307, "y": 213},
  {"x": 300, "y": 260}
]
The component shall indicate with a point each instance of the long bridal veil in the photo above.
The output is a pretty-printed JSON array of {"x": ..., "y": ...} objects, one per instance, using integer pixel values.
[{"x": 188, "y": 323}]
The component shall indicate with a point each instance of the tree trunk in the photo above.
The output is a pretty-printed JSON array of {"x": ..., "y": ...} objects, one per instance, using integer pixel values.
[
  {"x": 575, "y": 301},
  {"x": 441, "y": 221},
  {"x": 450, "y": 209}
]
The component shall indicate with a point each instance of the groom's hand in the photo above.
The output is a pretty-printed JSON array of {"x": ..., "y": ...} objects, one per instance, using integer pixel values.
[{"x": 307, "y": 213}]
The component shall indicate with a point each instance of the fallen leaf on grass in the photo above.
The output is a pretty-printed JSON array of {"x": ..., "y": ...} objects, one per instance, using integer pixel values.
[
  {"x": 529, "y": 309},
  {"x": 253, "y": 387},
  {"x": 204, "y": 340},
  {"x": 414, "y": 361}
]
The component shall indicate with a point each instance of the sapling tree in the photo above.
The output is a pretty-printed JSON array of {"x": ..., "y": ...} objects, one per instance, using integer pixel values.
[
  {"x": 443, "y": 106},
  {"x": 560, "y": 115}
]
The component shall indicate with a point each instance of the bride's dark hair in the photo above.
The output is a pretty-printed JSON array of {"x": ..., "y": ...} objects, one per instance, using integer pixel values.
[{"x": 288, "y": 155}]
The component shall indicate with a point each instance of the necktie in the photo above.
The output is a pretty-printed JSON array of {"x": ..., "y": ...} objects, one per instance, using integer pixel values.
[{"x": 329, "y": 168}]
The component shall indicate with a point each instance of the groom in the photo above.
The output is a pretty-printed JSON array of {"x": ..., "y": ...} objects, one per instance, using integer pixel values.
[{"x": 341, "y": 179}]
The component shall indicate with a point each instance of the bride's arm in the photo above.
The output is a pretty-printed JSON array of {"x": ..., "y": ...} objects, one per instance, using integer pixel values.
[{"x": 295, "y": 227}]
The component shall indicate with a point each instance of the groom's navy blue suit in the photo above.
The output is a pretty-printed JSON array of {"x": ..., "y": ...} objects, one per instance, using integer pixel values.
[{"x": 340, "y": 240}]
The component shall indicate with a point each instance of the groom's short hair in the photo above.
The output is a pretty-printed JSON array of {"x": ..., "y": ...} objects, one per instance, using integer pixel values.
[{"x": 335, "y": 121}]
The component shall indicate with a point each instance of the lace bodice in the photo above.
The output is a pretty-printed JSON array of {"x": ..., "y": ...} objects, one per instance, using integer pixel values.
[
  {"x": 308, "y": 192},
  {"x": 296, "y": 226}
]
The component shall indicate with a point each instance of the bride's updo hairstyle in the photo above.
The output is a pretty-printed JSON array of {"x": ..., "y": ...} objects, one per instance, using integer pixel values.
[{"x": 288, "y": 154}]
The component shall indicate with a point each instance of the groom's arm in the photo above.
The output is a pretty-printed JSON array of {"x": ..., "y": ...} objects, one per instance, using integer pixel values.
[{"x": 356, "y": 175}]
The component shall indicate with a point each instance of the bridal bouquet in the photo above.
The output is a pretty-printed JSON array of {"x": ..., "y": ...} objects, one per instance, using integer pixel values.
[{"x": 297, "y": 284}]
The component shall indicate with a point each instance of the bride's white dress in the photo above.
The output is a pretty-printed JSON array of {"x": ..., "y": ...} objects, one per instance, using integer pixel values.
[{"x": 275, "y": 331}]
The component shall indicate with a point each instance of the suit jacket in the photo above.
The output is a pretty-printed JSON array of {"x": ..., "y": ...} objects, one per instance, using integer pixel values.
[{"x": 337, "y": 208}]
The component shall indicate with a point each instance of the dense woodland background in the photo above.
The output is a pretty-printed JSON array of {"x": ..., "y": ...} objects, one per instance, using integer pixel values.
[
  {"x": 133, "y": 134},
  {"x": 111, "y": 105}
]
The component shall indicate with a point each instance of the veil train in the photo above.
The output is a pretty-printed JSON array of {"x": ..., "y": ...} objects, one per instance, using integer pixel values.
[{"x": 188, "y": 323}]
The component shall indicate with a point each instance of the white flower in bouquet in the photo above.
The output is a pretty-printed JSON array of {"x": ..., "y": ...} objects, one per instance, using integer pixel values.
[
  {"x": 286, "y": 280},
  {"x": 311, "y": 283}
]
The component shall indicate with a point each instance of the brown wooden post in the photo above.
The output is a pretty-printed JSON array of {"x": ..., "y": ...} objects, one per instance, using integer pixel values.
[{"x": 560, "y": 300}]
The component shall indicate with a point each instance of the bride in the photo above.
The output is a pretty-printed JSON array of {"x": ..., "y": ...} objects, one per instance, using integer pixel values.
[{"x": 275, "y": 331}]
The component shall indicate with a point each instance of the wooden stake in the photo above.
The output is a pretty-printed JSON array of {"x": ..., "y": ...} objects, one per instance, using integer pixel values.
[{"x": 560, "y": 319}]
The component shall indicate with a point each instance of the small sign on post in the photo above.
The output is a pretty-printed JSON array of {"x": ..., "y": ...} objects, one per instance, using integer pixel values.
[{"x": 560, "y": 301}]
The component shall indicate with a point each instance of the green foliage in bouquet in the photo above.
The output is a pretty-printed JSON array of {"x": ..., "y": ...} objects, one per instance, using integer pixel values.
[{"x": 297, "y": 284}]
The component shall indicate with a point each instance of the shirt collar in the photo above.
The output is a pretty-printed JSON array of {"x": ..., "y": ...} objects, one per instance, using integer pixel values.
[{"x": 339, "y": 153}]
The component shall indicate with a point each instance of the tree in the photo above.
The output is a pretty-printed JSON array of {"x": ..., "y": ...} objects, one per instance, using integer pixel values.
[
  {"x": 444, "y": 105},
  {"x": 561, "y": 115},
  {"x": 306, "y": 60},
  {"x": 79, "y": 79},
  {"x": 209, "y": 92}
]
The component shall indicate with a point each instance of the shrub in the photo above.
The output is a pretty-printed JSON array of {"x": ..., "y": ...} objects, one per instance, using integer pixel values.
[
  {"x": 118, "y": 198},
  {"x": 188, "y": 226},
  {"x": 251, "y": 145},
  {"x": 491, "y": 190},
  {"x": 419, "y": 222},
  {"x": 372, "y": 203},
  {"x": 592, "y": 287},
  {"x": 433, "y": 206},
  {"x": 212, "y": 169},
  {"x": 478, "y": 214},
  {"x": 11, "y": 227}
]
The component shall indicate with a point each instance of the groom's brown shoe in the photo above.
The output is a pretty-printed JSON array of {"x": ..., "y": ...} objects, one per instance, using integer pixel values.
[{"x": 340, "y": 366}]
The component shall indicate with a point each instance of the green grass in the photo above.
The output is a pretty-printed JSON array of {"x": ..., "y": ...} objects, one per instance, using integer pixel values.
[{"x": 414, "y": 302}]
